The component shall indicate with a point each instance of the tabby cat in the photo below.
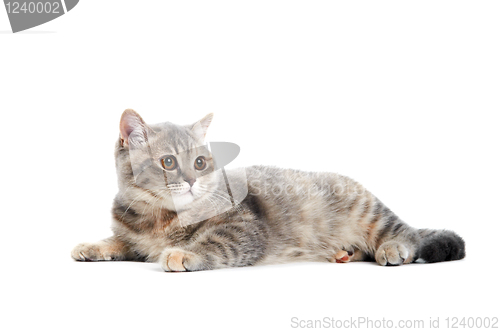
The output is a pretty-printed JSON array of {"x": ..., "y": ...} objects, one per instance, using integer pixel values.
[{"x": 165, "y": 173}]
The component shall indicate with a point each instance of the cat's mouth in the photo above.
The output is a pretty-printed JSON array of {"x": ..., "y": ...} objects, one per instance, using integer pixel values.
[
  {"x": 184, "y": 193},
  {"x": 181, "y": 190},
  {"x": 182, "y": 199}
]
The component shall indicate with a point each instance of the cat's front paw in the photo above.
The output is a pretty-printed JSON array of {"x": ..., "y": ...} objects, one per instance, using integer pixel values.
[
  {"x": 391, "y": 253},
  {"x": 89, "y": 252},
  {"x": 179, "y": 260}
]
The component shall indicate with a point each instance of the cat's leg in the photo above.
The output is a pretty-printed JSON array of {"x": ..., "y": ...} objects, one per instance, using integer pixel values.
[
  {"x": 223, "y": 245},
  {"x": 105, "y": 250},
  {"x": 376, "y": 230}
]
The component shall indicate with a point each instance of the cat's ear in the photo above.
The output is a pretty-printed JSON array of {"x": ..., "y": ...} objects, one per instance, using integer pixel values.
[
  {"x": 200, "y": 128},
  {"x": 132, "y": 127}
]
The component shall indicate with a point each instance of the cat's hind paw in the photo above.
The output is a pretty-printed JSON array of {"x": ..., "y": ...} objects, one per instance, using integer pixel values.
[
  {"x": 179, "y": 260},
  {"x": 392, "y": 253},
  {"x": 343, "y": 256}
]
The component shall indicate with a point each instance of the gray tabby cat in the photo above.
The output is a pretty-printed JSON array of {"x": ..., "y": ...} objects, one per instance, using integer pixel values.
[{"x": 287, "y": 216}]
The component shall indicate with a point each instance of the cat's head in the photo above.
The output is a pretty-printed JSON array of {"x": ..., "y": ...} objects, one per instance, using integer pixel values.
[{"x": 166, "y": 160}]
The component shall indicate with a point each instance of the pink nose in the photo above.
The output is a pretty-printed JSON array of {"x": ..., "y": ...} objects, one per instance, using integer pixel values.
[{"x": 190, "y": 181}]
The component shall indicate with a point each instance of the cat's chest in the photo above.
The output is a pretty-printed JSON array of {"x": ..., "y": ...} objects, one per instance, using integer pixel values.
[
  {"x": 149, "y": 245},
  {"x": 147, "y": 239}
]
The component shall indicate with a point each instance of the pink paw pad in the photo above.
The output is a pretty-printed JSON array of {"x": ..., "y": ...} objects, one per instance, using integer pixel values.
[{"x": 343, "y": 256}]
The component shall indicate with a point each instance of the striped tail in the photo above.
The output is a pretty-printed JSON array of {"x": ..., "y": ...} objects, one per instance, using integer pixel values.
[{"x": 439, "y": 246}]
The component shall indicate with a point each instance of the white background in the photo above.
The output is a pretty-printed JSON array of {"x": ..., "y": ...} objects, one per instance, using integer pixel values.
[{"x": 403, "y": 97}]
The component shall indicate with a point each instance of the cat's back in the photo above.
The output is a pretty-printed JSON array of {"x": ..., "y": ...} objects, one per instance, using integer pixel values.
[
  {"x": 288, "y": 193},
  {"x": 272, "y": 180}
]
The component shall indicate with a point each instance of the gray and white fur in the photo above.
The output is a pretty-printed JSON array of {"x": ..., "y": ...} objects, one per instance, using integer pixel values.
[{"x": 288, "y": 215}]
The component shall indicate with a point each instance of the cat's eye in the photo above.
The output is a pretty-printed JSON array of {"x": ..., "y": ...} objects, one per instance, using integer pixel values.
[
  {"x": 200, "y": 163},
  {"x": 169, "y": 163}
]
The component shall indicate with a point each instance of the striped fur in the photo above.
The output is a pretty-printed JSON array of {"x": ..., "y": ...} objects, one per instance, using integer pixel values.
[{"x": 287, "y": 216}]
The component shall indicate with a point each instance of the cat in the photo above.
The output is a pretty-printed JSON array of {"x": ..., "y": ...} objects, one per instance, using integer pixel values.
[{"x": 166, "y": 173}]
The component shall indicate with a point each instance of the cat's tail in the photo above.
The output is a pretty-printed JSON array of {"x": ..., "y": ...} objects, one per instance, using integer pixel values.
[{"x": 440, "y": 245}]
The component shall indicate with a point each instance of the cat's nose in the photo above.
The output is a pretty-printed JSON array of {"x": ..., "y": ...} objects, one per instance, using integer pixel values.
[{"x": 191, "y": 181}]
